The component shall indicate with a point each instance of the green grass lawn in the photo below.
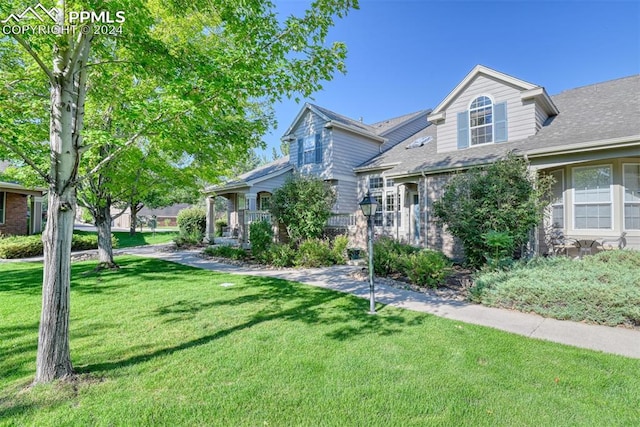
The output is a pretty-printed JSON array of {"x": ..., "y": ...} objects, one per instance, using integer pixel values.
[
  {"x": 125, "y": 240},
  {"x": 157, "y": 343}
]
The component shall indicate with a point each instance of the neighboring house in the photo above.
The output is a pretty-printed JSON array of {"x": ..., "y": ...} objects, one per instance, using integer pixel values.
[
  {"x": 323, "y": 144},
  {"x": 587, "y": 138},
  {"x": 20, "y": 209},
  {"x": 165, "y": 217}
]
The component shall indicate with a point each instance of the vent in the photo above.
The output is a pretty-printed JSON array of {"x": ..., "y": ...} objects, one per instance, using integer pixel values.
[{"x": 420, "y": 142}]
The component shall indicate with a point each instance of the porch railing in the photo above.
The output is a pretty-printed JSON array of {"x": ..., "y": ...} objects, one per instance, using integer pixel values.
[
  {"x": 253, "y": 216},
  {"x": 341, "y": 220}
]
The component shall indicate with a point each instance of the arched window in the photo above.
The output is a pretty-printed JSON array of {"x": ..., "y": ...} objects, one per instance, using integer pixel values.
[{"x": 481, "y": 120}]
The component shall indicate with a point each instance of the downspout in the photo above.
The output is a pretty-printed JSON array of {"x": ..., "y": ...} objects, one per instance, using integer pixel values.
[{"x": 426, "y": 211}]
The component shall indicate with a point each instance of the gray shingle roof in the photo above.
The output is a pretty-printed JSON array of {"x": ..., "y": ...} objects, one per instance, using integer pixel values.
[
  {"x": 335, "y": 117},
  {"x": 386, "y": 125},
  {"x": 598, "y": 112},
  {"x": 279, "y": 165}
]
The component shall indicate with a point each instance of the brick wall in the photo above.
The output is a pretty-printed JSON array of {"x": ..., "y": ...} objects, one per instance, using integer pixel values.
[{"x": 16, "y": 210}]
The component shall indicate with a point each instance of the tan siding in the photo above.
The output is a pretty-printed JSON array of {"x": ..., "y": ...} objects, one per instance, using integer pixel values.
[
  {"x": 541, "y": 117},
  {"x": 349, "y": 150},
  {"x": 270, "y": 185},
  {"x": 520, "y": 117},
  {"x": 310, "y": 124}
]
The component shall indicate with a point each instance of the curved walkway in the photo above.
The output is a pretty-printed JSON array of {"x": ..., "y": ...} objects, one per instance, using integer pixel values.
[{"x": 621, "y": 341}]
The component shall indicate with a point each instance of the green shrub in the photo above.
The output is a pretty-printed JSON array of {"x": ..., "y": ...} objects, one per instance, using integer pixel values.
[
  {"x": 603, "y": 288},
  {"x": 281, "y": 255},
  {"x": 501, "y": 196},
  {"x": 427, "y": 268},
  {"x": 30, "y": 246},
  {"x": 188, "y": 239},
  {"x": 192, "y": 222},
  {"x": 339, "y": 249},
  {"x": 303, "y": 204},
  {"x": 220, "y": 225},
  {"x": 225, "y": 251},
  {"x": 390, "y": 256},
  {"x": 501, "y": 246},
  {"x": 314, "y": 253},
  {"x": 261, "y": 235}
]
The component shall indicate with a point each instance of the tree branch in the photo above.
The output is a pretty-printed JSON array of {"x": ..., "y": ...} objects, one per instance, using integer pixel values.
[
  {"x": 27, "y": 160},
  {"x": 35, "y": 56}
]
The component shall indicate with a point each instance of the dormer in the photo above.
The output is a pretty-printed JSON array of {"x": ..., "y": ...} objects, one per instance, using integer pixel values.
[{"x": 489, "y": 107}]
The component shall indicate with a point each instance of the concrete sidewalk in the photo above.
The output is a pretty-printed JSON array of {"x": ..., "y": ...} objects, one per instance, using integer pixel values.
[{"x": 621, "y": 341}]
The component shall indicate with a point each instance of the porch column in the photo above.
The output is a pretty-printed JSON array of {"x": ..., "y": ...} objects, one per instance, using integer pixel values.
[{"x": 210, "y": 230}]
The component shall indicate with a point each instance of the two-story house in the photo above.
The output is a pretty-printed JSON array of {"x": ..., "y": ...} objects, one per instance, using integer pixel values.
[
  {"x": 323, "y": 144},
  {"x": 587, "y": 138}
]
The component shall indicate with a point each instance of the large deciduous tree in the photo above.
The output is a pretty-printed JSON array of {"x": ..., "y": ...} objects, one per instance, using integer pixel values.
[{"x": 194, "y": 79}]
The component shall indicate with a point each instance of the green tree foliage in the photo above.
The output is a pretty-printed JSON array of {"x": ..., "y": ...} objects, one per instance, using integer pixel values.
[
  {"x": 303, "y": 204},
  {"x": 194, "y": 80},
  {"x": 503, "y": 197}
]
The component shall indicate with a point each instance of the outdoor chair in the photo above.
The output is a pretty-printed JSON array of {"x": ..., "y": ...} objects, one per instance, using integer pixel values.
[
  {"x": 560, "y": 244},
  {"x": 612, "y": 244}
]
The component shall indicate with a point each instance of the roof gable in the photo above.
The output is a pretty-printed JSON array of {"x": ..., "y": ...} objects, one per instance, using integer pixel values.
[
  {"x": 527, "y": 90},
  {"x": 332, "y": 119}
]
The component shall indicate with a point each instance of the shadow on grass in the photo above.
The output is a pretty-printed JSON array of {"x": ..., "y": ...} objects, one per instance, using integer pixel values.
[{"x": 274, "y": 299}]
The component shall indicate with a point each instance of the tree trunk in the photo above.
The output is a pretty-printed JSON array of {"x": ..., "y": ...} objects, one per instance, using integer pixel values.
[
  {"x": 105, "y": 247},
  {"x": 68, "y": 91},
  {"x": 54, "y": 359}
]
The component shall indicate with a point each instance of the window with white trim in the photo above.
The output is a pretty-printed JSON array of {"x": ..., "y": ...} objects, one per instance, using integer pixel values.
[
  {"x": 3, "y": 197},
  {"x": 557, "y": 199},
  {"x": 391, "y": 209},
  {"x": 481, "y": 120},
  {"x": 309, "y": 147},
  {"x": 377, "y": 218},
  {"x": 375, "y": 182},
  {"x": 592, "y": 198},
  {"x": 631, "y": 182}
]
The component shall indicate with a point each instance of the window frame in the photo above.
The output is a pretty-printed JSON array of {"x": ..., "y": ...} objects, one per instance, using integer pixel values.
[
  {"x": 485, "y": 125},
  {"x": 309, "y": 153},
  {"x": 624, "y": 194},
  {"x": 562, "y": 201},
  {"x": 610, "y": 202}
]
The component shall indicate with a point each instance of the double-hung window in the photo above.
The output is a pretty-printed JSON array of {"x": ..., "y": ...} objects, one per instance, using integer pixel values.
[
  {"x": 390, "y": 209},
  {"x": 631, "y": 181},
  {"x": 557, "y": 200},
  {"x": 592, "y": 198},
  {"x": 310, "y": 149}
]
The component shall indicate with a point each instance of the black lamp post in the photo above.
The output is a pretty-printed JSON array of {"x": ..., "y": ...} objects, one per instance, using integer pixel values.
[{"x": 369, "y": 205}]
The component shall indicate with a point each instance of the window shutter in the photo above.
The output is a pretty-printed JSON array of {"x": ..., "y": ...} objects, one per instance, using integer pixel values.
[
  {"x": 463, "y": 130},
  {"x": 500, "y": 124},
  {"x": 300, "y": 152},
  {"x": 318, "y": 147}
]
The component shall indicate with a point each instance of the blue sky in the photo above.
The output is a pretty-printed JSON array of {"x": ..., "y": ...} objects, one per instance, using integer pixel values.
[{"x": 405, "y": 56}]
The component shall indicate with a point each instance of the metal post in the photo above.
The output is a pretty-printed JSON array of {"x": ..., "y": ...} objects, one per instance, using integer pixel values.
[{"x": 372, "y": 305}]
